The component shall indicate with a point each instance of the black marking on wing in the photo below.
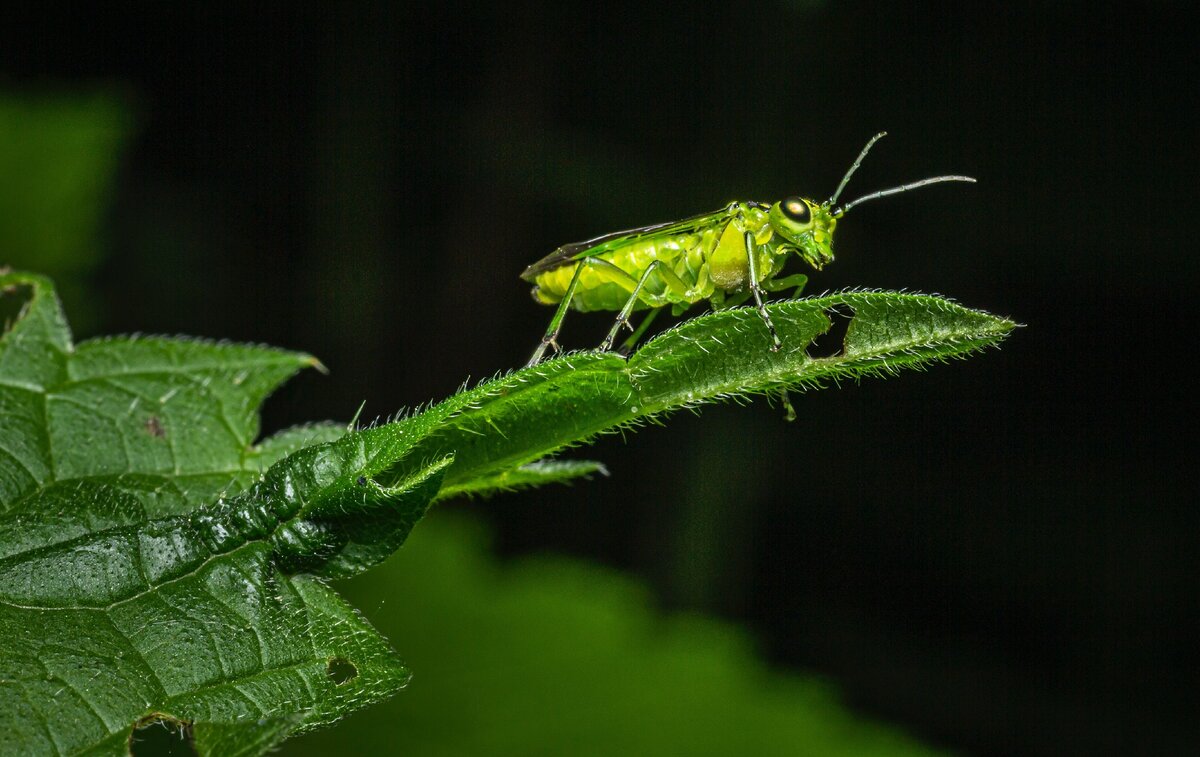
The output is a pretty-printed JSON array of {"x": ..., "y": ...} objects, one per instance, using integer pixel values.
[{"x": 569, "y": 252}]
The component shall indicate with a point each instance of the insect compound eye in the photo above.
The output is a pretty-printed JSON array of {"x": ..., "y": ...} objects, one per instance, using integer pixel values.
[{"x": 796, "y": 209}]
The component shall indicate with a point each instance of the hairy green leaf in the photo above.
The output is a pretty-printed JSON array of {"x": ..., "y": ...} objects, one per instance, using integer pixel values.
[
  {"x": 533, "y": 474},
  {"x": 156, "y": 564},
  {"x": 521, "y": 417}
]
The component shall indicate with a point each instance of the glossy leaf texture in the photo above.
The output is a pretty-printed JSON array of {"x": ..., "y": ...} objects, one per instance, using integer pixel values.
[
  {"x": 156, "y": 563},
  {"x": 149, "y": 568}
]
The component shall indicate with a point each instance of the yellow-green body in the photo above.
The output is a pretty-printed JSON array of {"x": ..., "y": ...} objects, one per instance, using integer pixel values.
[{"x": 708, "y": 256}]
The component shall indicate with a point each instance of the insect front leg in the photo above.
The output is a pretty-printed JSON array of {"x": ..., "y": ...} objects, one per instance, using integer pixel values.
[{"x": 756, "y": 290}]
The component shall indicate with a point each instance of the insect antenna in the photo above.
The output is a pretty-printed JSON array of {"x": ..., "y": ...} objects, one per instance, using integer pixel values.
[
  {"x": 854, "y": 167},
  {"x": 839, "y": 212}
]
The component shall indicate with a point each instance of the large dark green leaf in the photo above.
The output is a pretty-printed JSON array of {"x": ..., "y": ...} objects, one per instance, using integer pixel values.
[{"x": 136, "y": 581}]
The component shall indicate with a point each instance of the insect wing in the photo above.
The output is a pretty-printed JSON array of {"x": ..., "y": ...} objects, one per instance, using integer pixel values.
[{"x": 607, "y": 242}]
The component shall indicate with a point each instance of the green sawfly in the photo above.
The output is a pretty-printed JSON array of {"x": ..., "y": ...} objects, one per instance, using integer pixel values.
[{"x": 727, "y": 257}]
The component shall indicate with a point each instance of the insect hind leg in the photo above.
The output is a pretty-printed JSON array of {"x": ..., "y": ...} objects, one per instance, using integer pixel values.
[{"x": 550, "y": 339}]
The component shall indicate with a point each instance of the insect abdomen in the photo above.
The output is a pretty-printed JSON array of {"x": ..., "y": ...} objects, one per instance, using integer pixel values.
[{"x": 602, "y": 288}]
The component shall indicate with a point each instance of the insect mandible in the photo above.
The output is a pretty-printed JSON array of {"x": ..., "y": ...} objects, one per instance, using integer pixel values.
[{"x": 726, "y": 257}]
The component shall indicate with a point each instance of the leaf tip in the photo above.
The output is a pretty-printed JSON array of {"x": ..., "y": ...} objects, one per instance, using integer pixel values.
[{"x": 311, "y": 361}]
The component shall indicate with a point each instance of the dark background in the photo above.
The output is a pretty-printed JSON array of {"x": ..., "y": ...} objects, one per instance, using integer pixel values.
[{"x": 1001, "y": 554}]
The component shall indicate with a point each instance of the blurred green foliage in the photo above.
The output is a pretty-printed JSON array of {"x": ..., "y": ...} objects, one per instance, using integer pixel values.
[
  {"x": 550, "y": 655},
  {"x": 58, "y": 159}
]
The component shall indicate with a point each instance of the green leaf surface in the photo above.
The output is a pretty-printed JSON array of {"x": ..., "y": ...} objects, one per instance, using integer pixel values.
[
  {"x": 151, "y": 569},
  {"x": 156, "y": 563},
  {"x": 534, "y": 412},
  {"x": 206, "y": 616},
  {"x": 533, "y": 474},
  {"x": 171, "y": 421}
]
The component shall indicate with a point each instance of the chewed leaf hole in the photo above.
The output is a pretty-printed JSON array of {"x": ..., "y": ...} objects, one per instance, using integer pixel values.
[
  {"x": 13, "y": 301},
  {"x": 340, "y": 670},
  {"x": 833, "y": 342},
  {"x": 161, "y": 736}
]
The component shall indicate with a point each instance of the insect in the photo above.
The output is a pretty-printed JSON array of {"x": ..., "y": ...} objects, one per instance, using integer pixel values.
[{"x": 726, "y": 257}]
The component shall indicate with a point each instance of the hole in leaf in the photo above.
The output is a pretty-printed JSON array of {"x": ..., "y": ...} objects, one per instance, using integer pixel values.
[
  {"x": 833, "y": 342},
  {"x": 341, "y": 670},
  {"x": 13, "y": 301},
  {"x": 161, "y": 735}
]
